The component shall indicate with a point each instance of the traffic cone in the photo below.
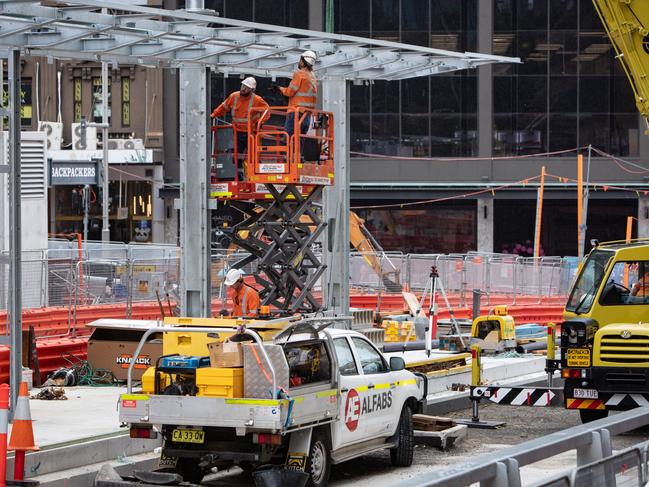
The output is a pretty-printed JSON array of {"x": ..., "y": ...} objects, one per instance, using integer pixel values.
[
  {"x": 4, "y": 422},
  {"x": 22, "y": 435}
]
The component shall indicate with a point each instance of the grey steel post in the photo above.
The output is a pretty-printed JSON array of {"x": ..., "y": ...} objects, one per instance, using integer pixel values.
[
  {"x": 105, "y": 227},
  {"x": 336, "y": 199},
  {"x": 584, "y": 206},
  {"x": 15, "y": 272},
  {"x": 195, "y": 224},
  {"x": 84, "y": 200}
]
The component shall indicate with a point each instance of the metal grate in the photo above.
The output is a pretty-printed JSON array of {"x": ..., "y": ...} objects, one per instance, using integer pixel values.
[
  {"x": 632, "y": 350},
  {"x": 32, "y": 163}
]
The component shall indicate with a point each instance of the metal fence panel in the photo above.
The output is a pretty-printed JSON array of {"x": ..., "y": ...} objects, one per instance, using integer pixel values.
[{"x": 621, "y": 470}]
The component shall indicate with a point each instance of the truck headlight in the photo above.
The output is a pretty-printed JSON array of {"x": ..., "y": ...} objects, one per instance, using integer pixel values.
[{"x": 578, "y": 332}]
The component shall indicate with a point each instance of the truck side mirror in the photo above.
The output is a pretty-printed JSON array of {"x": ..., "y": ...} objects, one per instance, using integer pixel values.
[{"x": 396, "y": 364}]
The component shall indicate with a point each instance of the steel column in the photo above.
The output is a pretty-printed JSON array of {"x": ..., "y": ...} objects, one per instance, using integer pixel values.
[
  {"x": 105, "y": 224},
  {"x": 195, "y": 224},
  {"x": 335, "y": 99},
  {"x": 15, "y": 242}
]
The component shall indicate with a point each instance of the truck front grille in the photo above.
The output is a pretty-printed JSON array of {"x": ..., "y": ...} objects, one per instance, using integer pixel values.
[{"x": 632, "y": 350}]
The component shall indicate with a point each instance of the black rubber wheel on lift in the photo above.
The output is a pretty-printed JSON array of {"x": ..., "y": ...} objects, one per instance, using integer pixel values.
[
  {"x": 189, "y": 469},
  {"x": 401, "y": 456},
  {"x": 589, "y": 415}
]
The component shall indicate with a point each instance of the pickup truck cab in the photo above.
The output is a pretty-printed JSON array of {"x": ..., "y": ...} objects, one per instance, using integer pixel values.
[{"x": 344, "y": 400}]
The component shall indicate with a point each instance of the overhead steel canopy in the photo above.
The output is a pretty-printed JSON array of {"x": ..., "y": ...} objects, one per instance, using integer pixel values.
[{"x": 131, "y": 34}]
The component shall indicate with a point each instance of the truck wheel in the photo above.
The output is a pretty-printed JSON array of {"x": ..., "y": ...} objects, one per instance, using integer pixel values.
[
  {"x": 401, "y": 455},
  {"x": 190, "y": 471},
  {"x": 318, "y": 464},
  {"x": 589, "y": 415}
]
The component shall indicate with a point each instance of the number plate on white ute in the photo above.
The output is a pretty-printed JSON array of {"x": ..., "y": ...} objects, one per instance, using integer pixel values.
[{"x": 585, "y": 393}]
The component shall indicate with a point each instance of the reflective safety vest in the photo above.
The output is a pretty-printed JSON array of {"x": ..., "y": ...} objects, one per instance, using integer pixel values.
[
  {"x": 303, "y": 89},
  {"x": 245, "y": 302},
  {"x": 239, "y": 107}
]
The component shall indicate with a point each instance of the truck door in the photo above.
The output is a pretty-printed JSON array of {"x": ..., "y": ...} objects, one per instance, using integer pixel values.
[
  {"x": 351, "y": 428},
  {"x": 379, "y": 402}
]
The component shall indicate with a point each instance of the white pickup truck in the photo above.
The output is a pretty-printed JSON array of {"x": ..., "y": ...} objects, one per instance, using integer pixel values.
[{"x": 358, "y": 402}]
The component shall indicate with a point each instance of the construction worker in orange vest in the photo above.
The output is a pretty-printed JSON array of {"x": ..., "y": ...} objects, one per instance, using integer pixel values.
[
  {"x": 302, "y": 92},
  {"x": 245, "y": 299},
  {"x": 238, "y": 105}
]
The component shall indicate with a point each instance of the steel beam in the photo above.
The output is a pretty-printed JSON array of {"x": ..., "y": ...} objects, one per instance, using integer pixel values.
[
  {"x": 195, "y": 221},
  {"x": 335, "y": 98},
  {"x": 198, "y": 36},
  {"x": 15, "y": 224}
]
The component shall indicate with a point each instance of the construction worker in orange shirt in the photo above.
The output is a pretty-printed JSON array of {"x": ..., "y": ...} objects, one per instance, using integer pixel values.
[
  {"x": 238, "y": 105},
  {"x": 302, "y": 92},
  {"x": 245, "y": 299}
]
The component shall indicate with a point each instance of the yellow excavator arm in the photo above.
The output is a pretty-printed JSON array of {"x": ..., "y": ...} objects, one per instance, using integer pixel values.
[
  {"x": 361, "y": 239},
  {"x": 627, "y": 25}
]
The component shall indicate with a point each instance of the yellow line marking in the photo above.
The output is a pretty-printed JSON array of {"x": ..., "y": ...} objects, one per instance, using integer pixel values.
[
  {"x": 134, "y": 397},
  {"x": 330, "y": 392},
  {"x": 255, "y": 402}
]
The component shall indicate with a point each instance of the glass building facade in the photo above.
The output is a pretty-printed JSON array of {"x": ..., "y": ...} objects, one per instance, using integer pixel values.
[{"x": 567, "y": 92}]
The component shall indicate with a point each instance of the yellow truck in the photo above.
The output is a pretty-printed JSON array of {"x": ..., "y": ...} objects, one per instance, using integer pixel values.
[{"x": 605, "y": 333}]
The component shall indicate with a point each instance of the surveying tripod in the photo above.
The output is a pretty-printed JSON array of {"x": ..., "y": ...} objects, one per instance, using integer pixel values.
[{"x": 432, "y": 285}]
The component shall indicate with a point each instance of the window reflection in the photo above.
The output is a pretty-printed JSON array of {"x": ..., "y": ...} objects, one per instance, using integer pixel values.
[
  {"x": 569, "y": 91},
  {"x": 423, "y": 116}
]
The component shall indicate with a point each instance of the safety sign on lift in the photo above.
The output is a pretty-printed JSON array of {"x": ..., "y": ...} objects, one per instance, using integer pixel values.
[
  {"x": 578, "y": 357},
  {"x": 272, "y": 168}
]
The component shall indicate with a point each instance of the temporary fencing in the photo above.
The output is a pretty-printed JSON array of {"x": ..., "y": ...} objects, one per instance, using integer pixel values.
[
  {"x": 499, "y": 277},
  {"x": 100, "y": 273}
]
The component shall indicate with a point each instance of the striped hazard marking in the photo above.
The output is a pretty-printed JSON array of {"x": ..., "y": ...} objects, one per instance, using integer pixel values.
[
  {"x": 585, "y": 404},
  {"x": 515, "y": 396},
  {"x": 616, "y": 399}
]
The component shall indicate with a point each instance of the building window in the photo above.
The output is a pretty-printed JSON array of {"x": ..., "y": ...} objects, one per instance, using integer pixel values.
[
  {"x": 419, "y": 117},
  {"x": 25, "y": 101},
  {"x": 77, "y": 100},
  {"x": 569, "y": 91},
  {"x": 97, "y": 112},
  {"x": 126, "y": 101},
  {"x": 427, "y": 229}
]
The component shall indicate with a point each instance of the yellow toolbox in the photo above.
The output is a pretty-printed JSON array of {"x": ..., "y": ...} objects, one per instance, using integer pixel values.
[
  {"x": 219, "y": 382},
  {"x": 148, "y": 381}
]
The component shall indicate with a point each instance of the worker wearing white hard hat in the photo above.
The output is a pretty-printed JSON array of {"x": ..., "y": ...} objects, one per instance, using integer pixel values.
[
  {"x": 239, "y": 105},
  {"x": 245, "y": 298},
  {"x": 302, "y": 93}
]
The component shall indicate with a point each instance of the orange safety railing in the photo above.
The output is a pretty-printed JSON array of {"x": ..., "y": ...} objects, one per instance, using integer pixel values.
[{"x": 274, "y": 156}]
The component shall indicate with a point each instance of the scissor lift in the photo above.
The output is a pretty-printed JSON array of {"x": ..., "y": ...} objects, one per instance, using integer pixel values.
[{"x": 283, "y": 178}]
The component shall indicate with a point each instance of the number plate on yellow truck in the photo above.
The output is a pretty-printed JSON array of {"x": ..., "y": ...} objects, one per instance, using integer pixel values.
[
  {"x": 188, "y": 436},
  {"x": 578, "y": 357}
]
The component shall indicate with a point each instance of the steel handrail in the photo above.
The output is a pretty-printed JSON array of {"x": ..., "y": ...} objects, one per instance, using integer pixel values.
[{"x": 195, "y": 329}]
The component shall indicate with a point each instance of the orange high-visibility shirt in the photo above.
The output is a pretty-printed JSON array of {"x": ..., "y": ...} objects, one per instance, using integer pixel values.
[
  {"x": 303, "y": 89},
  {"x": 245, "y": 302},
  {"x": 239, "y": 107}
]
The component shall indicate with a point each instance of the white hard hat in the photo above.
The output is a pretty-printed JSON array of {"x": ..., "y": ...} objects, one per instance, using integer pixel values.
[
  {"x": 250, "y": 82},
  {"x": 309, "y": 57},
  {"x": 233, "y": 276}
]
